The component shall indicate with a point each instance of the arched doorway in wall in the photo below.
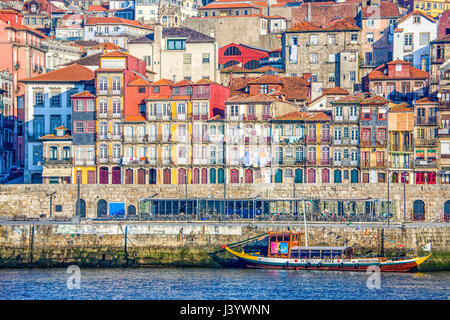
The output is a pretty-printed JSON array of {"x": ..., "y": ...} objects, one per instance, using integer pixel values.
[
  {"x": 81, "y": 208},
  {"x": 129, "y": 176},
  {"x": 102, "y": 208},
  {"x": 418, "y": 210},
  {"x": 131, "y": 210}
]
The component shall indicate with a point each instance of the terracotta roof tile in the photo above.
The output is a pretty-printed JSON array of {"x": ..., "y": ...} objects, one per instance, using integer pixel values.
[
  {"x": 180, "y": 97},
  {"x": 72, "y": 73},
  {"x": 321, "y": 13},
  {"x": 426, "y": 100},
  {"x": 335, "y": 90},
  {"x": 340, "y": 24},
  {"x": 84, "y": 94},
  {"x": 163, "y": 82},
  {"x": 184, "y": 82},
  {"x": 159, "y": 97},
  {"x": 401, "y": 107},
  {"x": 293, "y": 115},
  {"x": 266, "y": 79},
  {"x": 386, "y": 9},
  {"x": 379, "y": 72}
]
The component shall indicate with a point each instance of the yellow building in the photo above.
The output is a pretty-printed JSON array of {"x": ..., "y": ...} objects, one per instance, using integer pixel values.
[{"x": 431, "y": 7}]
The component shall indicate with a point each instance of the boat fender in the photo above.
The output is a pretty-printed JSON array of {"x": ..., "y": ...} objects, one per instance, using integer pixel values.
[
  {"x": 356, "y": 265},
  {"x": 308, "y": 265},
  {"x": 319, "y": 265},
  {"x": 341, "y": 265}
]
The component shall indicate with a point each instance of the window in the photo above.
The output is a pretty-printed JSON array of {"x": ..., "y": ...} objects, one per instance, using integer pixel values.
[
  {"x": 155, "y": 89},
  {"x": 331, "y": 58},
  {"x": 354, "y": 37},
  {"x": 313, "y": 39},
  {"x": 424, "y": 38},
  {"x": 116, "y": 106},
  {"x": 90, "y": 105},
  {"x": 141, "y": 89},
  {"x": 79, "y": 127},
  {"x": 232, "y": 51},
  {"x": 417, "y": 18},
  {"x": 176, "y": 44},
  {"x": 205, "y": 58},
  {"x": 331, "y": 77},
  {"x": 314, "y": 77},
  {"x": 103, "y": 84},
  {"x": 78, "y": 105},
  {"x": 370, "y": 23},
  {"x": 116, "y": 83},
  {"x": 102, "y": 107},
  {"x": 39, "y": 99},
  {"x": 408, "y": 41},
  {"x": 369, "y": 37},
  {"x": 369, "y": 59},
  {"x": 313, "y": 58},
  {"x": 187, "y": 58},
  {"x": 331, "y": 39},
  {"x": 148, "y": 60},
  {"x": 55, "y": 122},
  {"x": 352, "y": 76},
  {"x": 409, "y": 58},
  {"x": 55, "y": 100}
]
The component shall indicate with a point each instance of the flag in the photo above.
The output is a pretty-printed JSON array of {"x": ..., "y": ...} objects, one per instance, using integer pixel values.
[{"x": 427, "y": 247}]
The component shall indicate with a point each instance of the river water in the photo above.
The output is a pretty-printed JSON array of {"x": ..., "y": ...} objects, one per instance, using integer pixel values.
[{"x": 219, "y": 284}]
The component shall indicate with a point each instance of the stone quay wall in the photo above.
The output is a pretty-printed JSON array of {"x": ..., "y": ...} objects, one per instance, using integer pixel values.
[
  {"x": 32, "y": 200},
  {"x": 199, "y": 244}
]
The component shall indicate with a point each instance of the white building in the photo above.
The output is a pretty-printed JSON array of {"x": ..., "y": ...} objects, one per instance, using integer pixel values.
[
  {"x": 412, "y": 39},
  {"x": 112, "y": 29},
  {"x": 58, "y": 53},
  {"x": 178, "y": 53},
  {"x": 147, "y": 11},
  {"x": 47, "y": 106}
]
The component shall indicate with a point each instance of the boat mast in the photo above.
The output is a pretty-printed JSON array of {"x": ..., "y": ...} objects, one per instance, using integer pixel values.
[{"x": 304, "y": 221}]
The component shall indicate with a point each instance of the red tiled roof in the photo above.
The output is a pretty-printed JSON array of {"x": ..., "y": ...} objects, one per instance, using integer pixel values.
[
  {"x": 138, "y": 81},
  {"x": 401, "y": 107},
  {"x": 114, "y": 21},
  {"x": 426, "y": 100},
  {"x": 163, "y": 82},
  {"x": 72, "y": 73},
  {"x": 184, "y": 82},
  {"x": 354, "y": 98},
  {"x": 84, "y": 94},
  {"x": 340, "y": 24},
  {"x": 335, "y": 90},
  {"x": 266, "y": 79},
  {"x": 262, "y": 97},
  {"x": 96, "y": 8},
  {"x": 386, "y": 9},
  {"x": 321, "y": 13},
  {"x": 414, "y": 73},
  {"x": 293, "y": 115},
  {"x": 375, "y": 100},
  {"x": 415, "y": 13}
]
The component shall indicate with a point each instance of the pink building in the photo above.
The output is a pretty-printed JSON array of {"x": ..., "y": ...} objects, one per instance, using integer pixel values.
[{"x": 23, "y": 57}]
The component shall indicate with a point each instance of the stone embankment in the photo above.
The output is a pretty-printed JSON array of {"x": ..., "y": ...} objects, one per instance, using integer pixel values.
[{"x": 196, "y": 244}]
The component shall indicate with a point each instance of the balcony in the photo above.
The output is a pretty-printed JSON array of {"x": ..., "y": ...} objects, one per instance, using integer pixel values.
[
  {"x": 401, "y": 148},
  {"x": 311, "y": 140},
  {"x": 325, "y": 162},
  {"x": 426, "y": 142},
  {"x": 401, "y": 165},
  {"x": 311, "y": 162},
  {"x": 426, "y": 121},
  {"x": 9, "y": 146},
  {"x": 444, "y": 132},
  {"x": 48, "y": 161},
  {"x": 103, "y": 160},
  {"x": 425, "y": 163},
  {"x": 325, "y": 139},
  {"x": 381, "y": 143}
]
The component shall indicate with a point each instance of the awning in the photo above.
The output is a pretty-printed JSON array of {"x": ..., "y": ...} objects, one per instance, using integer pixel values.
[{"x": 57, "y": 172}]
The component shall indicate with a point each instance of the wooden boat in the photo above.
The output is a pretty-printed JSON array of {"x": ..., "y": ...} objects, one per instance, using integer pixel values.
[{"x": 285, "y": 252}]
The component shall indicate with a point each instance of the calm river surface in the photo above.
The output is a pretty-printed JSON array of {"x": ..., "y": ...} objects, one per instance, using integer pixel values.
[{"x": 219, "y": 284}]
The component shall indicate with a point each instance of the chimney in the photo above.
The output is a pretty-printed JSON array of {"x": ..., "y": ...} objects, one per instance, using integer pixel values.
[
  {"x": 157, "y": 34},
  {"x": 309, "y": 13}
]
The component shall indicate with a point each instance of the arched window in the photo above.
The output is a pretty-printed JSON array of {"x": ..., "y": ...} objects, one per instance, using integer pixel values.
[
  {"x": 354, "y": 176},
  {"x": 325, "y": 176},
  {"x": 232, "y": 51},
  {"x": 141, "y": 176},
  {"x": 418, "y": 210},
  {"x": 212, "y": 175},
  {"x": 116, "y": 175},
  {"x": 220, "y": 175},
  {"x": 311, "y": 176},
  {"x": 230, "y": 64},
  {"x": 298, "y": 175},
  {"x": 251, "y": 65},
  {"x": 152, "y": 176},
  {"x": 181, "y": 176},
  {"x": 102, "y": 208},
  {"x": 248, "y": 176},
  {"x": 81, "y": 208},
  {"x": 131, "y": 210},
  {"x": 166, "y": 176}
]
